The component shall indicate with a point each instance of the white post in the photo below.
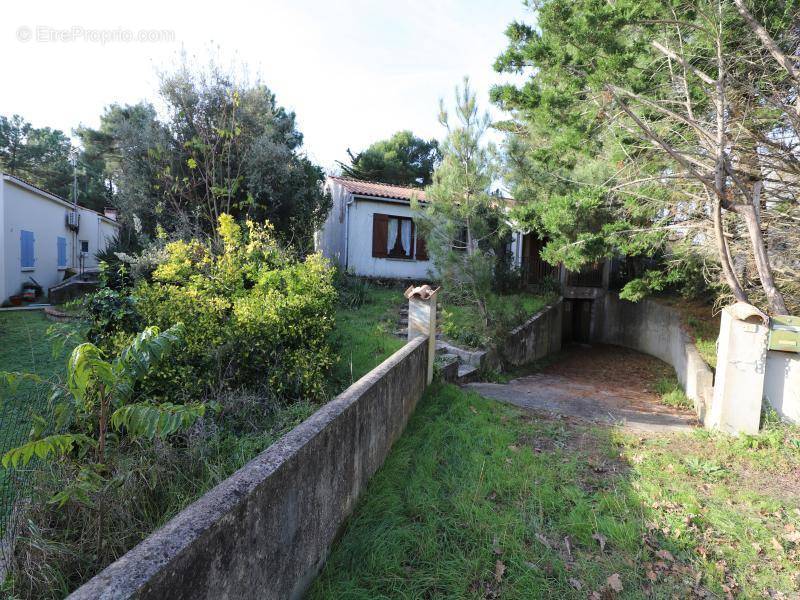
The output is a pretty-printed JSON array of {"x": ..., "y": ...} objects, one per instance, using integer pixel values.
[
  {"x": 422, "y": 319},
  {"x": 741, "y": 363}
]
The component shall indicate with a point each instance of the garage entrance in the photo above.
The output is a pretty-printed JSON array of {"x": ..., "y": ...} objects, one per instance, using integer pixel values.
[{"x": 577, "y": 324}]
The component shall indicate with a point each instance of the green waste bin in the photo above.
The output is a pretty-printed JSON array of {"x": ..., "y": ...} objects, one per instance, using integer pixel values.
[{"x": 784, "y": 334}]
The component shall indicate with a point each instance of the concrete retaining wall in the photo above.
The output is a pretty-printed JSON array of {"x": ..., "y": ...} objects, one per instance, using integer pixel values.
[
  {"x": 536, "y": 338},
  {"x": 658, "y": 330},
  {"x": 266, "y": 531}
]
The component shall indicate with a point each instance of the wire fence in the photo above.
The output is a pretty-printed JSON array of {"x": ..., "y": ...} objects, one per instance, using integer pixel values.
[{"x": 27, "y": 346}]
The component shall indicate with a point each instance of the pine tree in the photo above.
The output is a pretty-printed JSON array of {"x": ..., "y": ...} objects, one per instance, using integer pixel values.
[{"x": 460, "y": 215}]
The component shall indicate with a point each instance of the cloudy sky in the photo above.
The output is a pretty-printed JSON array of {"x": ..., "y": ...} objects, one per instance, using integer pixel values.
[{"x": 354, "y": 71}]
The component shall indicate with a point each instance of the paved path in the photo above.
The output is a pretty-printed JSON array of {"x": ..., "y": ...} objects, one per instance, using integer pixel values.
[{"x": 599, "y": 383}]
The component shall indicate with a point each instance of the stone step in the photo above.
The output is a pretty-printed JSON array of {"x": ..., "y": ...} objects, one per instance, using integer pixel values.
[
  {"x": 467, "y": 374},
  {"x": 448, "y": 367},
  {"x": 472, "y": 357}
]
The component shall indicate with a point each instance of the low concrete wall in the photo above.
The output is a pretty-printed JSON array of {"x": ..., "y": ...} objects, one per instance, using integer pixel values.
[
  {"x": 536, "y": 338},
  {"x": 658, "y": 330},
  {"x": 782, "y": 384},
  {"x": 266, "y": 531}
]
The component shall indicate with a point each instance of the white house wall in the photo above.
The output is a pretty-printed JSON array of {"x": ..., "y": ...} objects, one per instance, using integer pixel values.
[
  {"x": 23, "y": 209},
  {"x": 360, "y": 260},
  {"x": 330, "y": 238},
  {"x": 98, "y": 231}
]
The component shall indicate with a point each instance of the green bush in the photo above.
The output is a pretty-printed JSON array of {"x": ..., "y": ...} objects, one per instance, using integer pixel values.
[{"x": 253, "y": 314}]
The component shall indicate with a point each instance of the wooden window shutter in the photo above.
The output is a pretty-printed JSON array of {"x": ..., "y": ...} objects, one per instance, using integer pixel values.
[
  {"x": 380, "y": 235},
  {"x": 422, "y": 247}
]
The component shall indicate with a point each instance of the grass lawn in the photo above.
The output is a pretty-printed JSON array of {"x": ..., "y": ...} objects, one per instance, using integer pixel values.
[
  {"x": 24, "y": 346},
  {"x": 363, "y": 335},
  {"x": 480, "y": 500},
  {"x": 462, "y": 323}
]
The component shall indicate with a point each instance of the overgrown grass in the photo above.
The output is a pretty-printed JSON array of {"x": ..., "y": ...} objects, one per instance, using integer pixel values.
[
  {"x": 363, "y": 337},
  {"x": 463, "y": 324},
  {"x": 58, "y": 548},
  {"x": 705, "y": 333},
  {"x": 478, "y": 500}
]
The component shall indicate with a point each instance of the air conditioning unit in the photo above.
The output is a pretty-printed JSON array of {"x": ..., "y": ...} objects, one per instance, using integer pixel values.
[{"x": 73, "y": 219}]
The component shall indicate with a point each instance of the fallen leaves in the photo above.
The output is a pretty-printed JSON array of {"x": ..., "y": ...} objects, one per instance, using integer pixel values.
[
  {"x": 615, "y": 582},
  {"x": 665, "y": 555},
  {"x": 499, "y": 571}
]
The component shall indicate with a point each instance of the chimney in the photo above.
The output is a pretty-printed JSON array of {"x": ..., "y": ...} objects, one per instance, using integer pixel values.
[{"x": 110, "y": 212}]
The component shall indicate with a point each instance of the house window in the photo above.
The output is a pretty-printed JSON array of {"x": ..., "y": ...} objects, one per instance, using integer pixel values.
[
  {"x": 26, "y": 248},
  {"x": 61, "y": 248},
  {"x": 84, "y": 246},
  {"x": 395, "y": 237}
]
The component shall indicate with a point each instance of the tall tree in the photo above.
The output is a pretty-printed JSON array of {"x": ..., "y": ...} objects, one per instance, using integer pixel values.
[
  {"x": 403, "y": 159},
  {"x": 130, "y": 148},
  {"x": 40, "y": 156},
  {"x": 224, "y": 146},
  {"x": 674, "y": 132},
  {"x": 460, "y": 216}
]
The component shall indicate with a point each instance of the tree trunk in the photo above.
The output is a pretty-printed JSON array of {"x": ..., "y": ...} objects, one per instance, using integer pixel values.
[
  {"x": 774, "y": 296},
  {"x": 724, "y": 255}
]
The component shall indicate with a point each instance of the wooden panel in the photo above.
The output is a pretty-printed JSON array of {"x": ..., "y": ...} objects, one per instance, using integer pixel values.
[{"x": 380, "y": 234}]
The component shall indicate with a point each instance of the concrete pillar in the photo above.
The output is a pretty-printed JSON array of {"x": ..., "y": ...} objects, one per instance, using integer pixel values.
[
  {"x": 741, "y": 364},
  {"x": 422, "y": 319}
]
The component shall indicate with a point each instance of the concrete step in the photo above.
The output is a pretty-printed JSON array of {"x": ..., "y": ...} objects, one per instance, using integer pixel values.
[
  {"x": 471, "y": 357},
  {"x": 467, "y": 374},
  {"x": 448, "y": 367}
]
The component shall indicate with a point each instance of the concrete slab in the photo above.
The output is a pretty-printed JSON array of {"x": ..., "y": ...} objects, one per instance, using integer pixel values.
[{"x": 605, "y": 384}]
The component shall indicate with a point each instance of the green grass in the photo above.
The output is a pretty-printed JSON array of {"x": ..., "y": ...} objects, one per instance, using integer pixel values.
[
  {"x": 363, "y": 336},
  {"x": 671, "y": 392},
  {"x": 705, "y": 333},
  {"x": 25, "y": 347},
  {"x": 478, "y": 500},
  {"x": 462, "y": 323}
]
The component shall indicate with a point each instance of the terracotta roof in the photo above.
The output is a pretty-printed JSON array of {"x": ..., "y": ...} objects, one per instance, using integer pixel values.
[{"x": 379, "y": 190}]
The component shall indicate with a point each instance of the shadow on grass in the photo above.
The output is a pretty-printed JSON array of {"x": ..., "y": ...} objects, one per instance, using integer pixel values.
[{"x": 481, "y": 500}]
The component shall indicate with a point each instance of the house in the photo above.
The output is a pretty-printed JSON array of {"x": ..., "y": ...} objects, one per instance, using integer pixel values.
[
  {"x": 42, "y": 236},
  {"x": 370, "y": 230}
]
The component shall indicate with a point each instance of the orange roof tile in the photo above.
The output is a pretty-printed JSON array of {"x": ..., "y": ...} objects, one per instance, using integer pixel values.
[{"x": 380, "y": 190}]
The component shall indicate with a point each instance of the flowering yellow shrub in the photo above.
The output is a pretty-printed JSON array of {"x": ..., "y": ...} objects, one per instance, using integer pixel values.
[{"x": 253, "y": 314}]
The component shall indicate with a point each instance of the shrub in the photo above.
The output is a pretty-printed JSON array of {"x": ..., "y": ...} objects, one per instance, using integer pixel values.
[{"x": 252, "y": 312}]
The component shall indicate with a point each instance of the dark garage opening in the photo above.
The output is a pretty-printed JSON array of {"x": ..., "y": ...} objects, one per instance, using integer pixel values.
[{"x": 576, "y": 326}]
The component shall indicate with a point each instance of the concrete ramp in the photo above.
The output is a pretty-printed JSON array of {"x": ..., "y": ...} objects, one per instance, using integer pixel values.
[{"x": 605, "y": 384}]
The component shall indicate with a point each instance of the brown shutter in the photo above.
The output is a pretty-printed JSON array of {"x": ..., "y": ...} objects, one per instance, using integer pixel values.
[
  {"x": 380, "y": 233},
  {"x": 422, "y": 247}
]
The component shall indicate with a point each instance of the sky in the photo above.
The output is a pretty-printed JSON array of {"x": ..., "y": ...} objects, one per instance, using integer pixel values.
[{"x": 354, "y": 71}]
